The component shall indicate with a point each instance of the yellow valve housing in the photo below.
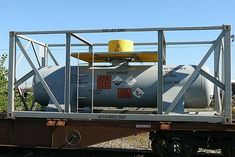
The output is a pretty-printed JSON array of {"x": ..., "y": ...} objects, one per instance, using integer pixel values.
[{"x": 121, "y": 46}]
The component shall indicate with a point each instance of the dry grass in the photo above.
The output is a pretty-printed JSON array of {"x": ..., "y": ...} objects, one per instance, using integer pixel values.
[{"x": 140, "y": 142}]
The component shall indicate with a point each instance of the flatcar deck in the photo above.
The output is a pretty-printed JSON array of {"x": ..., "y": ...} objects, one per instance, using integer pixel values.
[{"x": 68, "y": 133}]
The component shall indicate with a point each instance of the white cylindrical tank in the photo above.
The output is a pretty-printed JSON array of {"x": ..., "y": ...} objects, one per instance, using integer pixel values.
[{"x": 126, "y": 86}]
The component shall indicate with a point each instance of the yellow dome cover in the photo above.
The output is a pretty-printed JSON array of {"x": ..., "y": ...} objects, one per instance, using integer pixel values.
[{"x": 121, "y": 46}]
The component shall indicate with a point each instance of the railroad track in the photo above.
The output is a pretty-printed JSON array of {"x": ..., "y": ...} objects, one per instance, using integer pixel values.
[{"x": 85, "y": 152}]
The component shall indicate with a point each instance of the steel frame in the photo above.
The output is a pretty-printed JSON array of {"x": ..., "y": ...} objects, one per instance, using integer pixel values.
[{"x": 221, "y": 79}]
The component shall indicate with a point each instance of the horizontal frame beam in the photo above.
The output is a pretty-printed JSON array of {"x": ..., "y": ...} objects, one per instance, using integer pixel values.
[
  {"x": 125, "y": 30},
  {"x": 143, "y": 43},
  {"x": 136, "y": 117}
]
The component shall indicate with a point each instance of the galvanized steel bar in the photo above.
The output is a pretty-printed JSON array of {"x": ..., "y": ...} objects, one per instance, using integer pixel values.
[
  {"x": 32, "y": 40},
  {"x": 67, "y": 74},
  {"x": 143, "y": 43},
  {"x": 222, "y": 73},
  {"x": 160, "y": 71},
  {"x": 52, "y": 57},
  {"x": 78, "y": 82},
  {"x": 35, "y": 53},
  {"x": 189, "y": 43},
  {"x": 194, "y": 74},
  {"x": 124, "y": 30},
  {"x": 81, "y": 39},
  {"x": 45, "y": 57},
  {"x": 11, "y": 73},
  {"x": 92, "y": 77},
  {"x": 212, "y": 79},
  {"x": 208, "y": 117},
  {"x": 43, "y": 82},
  {"x": 24, "y": 78},
  {"x": 21, "y": 55},
  {"x": 217, "y": 100},
  {"x": 164, "y": 51},
  {"x": 227, "y": 74}
]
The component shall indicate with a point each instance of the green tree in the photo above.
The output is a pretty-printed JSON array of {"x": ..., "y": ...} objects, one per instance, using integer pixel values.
[
  {"x": 3, "y": 84},
  {"x": 4, "y": 90}
]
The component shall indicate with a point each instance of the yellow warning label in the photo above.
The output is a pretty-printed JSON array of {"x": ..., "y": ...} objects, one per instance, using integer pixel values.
[{"x": 118, "y": 48}]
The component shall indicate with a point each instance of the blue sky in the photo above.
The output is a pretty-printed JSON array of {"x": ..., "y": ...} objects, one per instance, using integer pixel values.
[{"x": 24, "y": 15}]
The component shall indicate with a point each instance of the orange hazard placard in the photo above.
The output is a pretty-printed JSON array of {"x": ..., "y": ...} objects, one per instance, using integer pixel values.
[
  {"x": 124, "y": 92},
  {"x": 104, "y": 81}
]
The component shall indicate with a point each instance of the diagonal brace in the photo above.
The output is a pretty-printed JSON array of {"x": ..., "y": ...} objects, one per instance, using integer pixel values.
[
  {"x": 82, "y": 39},
  {"x": 52, "y": 57},
  {"x": 212, "y": 79},
  {"x": 24, "y": 78},
  {"x": 44, "y": 84},
  {"x": 194, "y": 74},
  {"x": 35, "y": 53}
]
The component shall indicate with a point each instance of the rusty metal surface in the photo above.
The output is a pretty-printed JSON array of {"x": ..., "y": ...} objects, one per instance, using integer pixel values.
[
  {"x": 92, "y": 132},
  {"x": 74, "y": 134},
  {"x": 29, "y": 133},
  {"x": 203, "y": 126},
  {"x": 84, "y": 152},
  {"x": 4, "y": 132},
  {"x": 37, "y": 132}
]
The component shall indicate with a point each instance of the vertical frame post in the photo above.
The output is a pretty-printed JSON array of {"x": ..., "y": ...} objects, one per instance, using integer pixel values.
[
  {"x": 11, "y": 73},
  {"x": 160, "y": 71},
  {"x": 67, "y": 74},
  {"x": 222, "y": 73},
  {"x": 217, "y": 49},
  {"x": 45, "y": 58},
  {"x": 78, "y": 84},
  {"x": 92, "y": 77},
  {"x": 227, "y": 73}
]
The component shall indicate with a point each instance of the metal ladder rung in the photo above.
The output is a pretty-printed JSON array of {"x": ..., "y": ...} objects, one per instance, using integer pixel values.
[
  {"x": 82, "y": 86},
  {"x": 82, "y": 74},
  {"x": 82, "y": 97}
]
